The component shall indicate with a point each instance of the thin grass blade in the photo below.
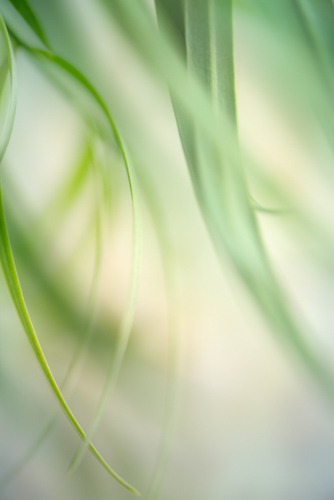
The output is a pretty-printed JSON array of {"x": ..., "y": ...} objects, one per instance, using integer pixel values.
[
  {"x": 25, "y": 10},
  {"x": 127, "y": 321},
  {"x": 10, "y": 273}
]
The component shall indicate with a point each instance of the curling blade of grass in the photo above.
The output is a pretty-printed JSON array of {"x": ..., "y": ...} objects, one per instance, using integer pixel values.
[
  {"x": 10, "y": 273},
  {"x": 25, "y": 10},
  {"x": 9, "y": 270},
  {"x": 123, "y": 335},
  {"x": 126, "y": 324},
  {"x": 82, "y": 344},
  {"x": 9, "y": 122}
]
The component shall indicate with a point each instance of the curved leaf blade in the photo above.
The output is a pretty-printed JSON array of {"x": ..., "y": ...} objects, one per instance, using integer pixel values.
[
  {"x": 126, "y": 324},
  {"x": 11, "y": 276},
  {"x": 24, "y": 9},
  {"x": 10, "y": 273}
]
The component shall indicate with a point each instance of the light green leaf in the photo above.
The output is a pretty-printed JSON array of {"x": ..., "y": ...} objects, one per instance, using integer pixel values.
[
  {"x": 9, "y": 123},
  {"x": 7, "y": 260},
  {"x": 128, "y": 317},
  {"x": 214, "y": 161},
  {"x": 82, "y": 343},
  {"x": 10, "y": 273}
]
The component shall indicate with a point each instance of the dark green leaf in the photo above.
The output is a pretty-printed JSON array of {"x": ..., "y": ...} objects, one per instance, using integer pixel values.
[{"x": 24, "y": 9}]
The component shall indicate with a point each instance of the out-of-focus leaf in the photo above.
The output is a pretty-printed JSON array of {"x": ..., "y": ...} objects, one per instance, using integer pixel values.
[
  {"x": 9, "y": 270},
  {"x": 211, "y": 148},
  {"x": 128, "y": 317},
  {"x": 169, "y": 261},
  {"x": 23, "y": 7},
  {"x": 7, "y": 260},
  {"x": 9, "y": 123}
]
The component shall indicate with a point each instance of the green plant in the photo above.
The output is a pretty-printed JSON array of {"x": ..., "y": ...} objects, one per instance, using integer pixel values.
[{"x": 190, "y": 47}]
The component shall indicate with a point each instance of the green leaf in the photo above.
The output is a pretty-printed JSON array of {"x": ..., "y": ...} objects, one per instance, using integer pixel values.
[
  {"x": 10, "y": 273},
  {"x": 227, "y": 206},
  {"x": 7, "y": 259},
  {"x": 318, "y": 19},
  {"x": 127, "y": 320},
  {"x": 9, "y": 123},
  {"x": 89, "y": 327},
  {"x": 213, "y": 155},
  {"x": 169, "y": 262},
  {"x": 24, "y": 9},
  {"x": 124, "y": 330}
]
